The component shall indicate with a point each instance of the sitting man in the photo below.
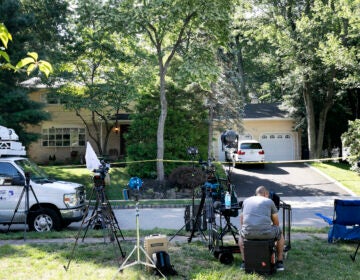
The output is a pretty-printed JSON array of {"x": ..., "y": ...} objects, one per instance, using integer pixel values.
[{"x": 259, "y": 220}]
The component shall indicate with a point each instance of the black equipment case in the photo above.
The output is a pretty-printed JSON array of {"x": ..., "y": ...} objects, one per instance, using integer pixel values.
[{"x": 259, "y": 256}]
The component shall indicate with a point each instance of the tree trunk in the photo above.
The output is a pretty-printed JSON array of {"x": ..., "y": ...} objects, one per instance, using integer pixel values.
[
  {"x": 316, "y": 134},
  {"x": 328, "y": 102},
  {"x": 211, "y": 105},
  {"x": 161, "y": 126},
  {"x": 310, "y": 119},
  {"x": 210, "y": 152},
  {"x": 240, "y": 68}
]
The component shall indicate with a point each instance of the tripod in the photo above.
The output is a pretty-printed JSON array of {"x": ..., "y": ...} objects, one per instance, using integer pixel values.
[
  {"x": 192, "y": 151},
  {"x": 137, "y": 248},
  {"x": 27, "y": 187},
  {"x": 101, "y": 217}
]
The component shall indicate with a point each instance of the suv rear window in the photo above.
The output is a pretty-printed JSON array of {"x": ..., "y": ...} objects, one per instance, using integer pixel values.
[{"x": 246, "y": 146}]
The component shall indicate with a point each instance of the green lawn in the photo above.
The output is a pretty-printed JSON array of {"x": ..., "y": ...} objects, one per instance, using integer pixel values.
[
  {"x": 341, "y": 172},
  {"x": 308, "y": 259}
]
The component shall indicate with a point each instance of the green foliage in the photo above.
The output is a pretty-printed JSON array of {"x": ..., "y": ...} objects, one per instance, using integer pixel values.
[
  {"x": 33, "y": 40},
  {"x": 351, "y": 139},
  {"x": 17, "y": 109},
  {"x": 98, "y": 71},
  {"x": 184, "y": 127}
]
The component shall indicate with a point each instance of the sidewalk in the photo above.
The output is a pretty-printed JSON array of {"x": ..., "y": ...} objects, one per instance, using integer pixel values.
[{"x": 303, "y": 214}]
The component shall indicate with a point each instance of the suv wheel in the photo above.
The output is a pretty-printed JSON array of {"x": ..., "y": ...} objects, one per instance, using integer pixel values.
[{"x": 44, "y": 220}]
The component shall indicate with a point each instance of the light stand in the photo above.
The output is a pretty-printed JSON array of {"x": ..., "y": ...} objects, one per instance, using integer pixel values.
[{"x": 135, "y": 184}]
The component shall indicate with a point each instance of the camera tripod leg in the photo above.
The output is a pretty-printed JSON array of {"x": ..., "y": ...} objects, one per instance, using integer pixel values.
[
  {"x": 16, "y": 209},
  {"x": 79, "y": 231},
  {"x": 197, "y": 217},
  {"x": 25, "y": 191}
]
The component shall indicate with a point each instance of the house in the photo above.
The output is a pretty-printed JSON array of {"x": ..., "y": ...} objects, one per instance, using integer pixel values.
[
  {"x": 271, "y": 126},
  {"x": 64, "y": 137}
]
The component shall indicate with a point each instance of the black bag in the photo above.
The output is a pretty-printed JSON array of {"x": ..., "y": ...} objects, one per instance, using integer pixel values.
[{"x": 162, "y": 262}]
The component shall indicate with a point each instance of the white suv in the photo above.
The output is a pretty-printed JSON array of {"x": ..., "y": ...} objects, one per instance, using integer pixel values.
[{"x": 248, "y": 151}]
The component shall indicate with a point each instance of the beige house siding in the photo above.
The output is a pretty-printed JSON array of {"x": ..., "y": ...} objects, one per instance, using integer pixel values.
[{"x": 61, "y": 118}]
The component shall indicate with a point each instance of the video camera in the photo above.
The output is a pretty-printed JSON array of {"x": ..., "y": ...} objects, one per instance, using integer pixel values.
[
  {"x": 100, "y": 174},
  {"x": 192, "y": 151}
]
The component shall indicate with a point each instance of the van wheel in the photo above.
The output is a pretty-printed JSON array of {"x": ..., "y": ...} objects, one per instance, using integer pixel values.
[{"x": 44, "y": 220}]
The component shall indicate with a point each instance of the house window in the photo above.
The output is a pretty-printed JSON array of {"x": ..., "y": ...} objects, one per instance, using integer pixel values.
[
  {"x": 63, "y": 137},
  {"x": 52, "y": 98}
]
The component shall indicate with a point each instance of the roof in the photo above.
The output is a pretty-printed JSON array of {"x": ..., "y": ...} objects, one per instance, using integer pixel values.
[{"x": 264, "y": 110}]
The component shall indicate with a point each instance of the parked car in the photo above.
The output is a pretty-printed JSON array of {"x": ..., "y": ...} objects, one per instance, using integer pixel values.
[
  {"x": 248, "y": 151},
  {"x": 28, "y": 195}
]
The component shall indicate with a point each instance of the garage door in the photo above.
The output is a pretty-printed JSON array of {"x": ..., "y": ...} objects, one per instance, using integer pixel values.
[{"x": 278, "y": 146}]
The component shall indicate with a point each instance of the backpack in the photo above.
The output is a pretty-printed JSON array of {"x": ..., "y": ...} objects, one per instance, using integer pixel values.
[{"x": 162, "y": 262}]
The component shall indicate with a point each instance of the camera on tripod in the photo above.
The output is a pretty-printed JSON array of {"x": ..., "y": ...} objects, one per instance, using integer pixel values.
[
  {"x": 192, "y": 151},
  {"x": 100, "y": 174}
]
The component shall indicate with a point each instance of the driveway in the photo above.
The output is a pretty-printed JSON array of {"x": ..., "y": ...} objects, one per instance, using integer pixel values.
[{"x": 287, "y": 180}]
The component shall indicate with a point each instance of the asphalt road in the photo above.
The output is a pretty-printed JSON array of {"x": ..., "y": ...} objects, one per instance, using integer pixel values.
[{"x": 290, "y": 179}]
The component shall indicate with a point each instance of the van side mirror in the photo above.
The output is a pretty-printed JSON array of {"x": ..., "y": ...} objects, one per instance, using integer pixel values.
[{"x": 18, "y": 180}]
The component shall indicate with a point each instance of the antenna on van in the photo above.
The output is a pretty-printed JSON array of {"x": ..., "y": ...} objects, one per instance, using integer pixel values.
[{"x": 9, "y": 143}]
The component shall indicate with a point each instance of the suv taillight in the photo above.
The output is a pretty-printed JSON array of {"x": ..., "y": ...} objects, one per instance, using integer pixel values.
[
  {"x": 240, "y": 152},
  {"x": 261, "y": 152}
]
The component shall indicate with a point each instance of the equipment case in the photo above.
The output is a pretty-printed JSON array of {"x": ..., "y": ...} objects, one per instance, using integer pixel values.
[{"x": 259, "y": 256}]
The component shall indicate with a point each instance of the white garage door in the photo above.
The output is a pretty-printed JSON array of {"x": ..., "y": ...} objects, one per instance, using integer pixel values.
[{"x": 278, "y": 146}]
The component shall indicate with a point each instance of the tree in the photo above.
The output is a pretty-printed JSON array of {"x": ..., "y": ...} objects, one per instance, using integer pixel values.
[
  {"x": 168, "y": 29},
  {"x": 316, "y": 45},
  {"x": 351, "y": 139},
  {"x": 97, "y": 72},
  {"x": 185, "y": 127},
  {"x": 17, "y": 111}
]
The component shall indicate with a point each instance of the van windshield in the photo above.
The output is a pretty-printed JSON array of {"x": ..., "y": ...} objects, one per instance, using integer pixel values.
[{"x": 36, "y": 173}]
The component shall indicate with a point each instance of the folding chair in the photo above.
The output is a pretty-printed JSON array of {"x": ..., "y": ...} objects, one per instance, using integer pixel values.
[
  {"x": 345, "y": 224},
  {"x": 346, "y": 220}
]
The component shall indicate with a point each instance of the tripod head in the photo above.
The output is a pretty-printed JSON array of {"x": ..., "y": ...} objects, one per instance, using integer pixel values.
[
  {"x": 100, "y": 174},
  {"x": 27, "y": 178}
]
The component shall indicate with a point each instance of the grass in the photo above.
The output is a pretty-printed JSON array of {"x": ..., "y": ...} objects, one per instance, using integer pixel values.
[
  {"x": 81, "y": 175},
  {"x": 340, "y": 172},
  {"x": 308, "y": 259}
]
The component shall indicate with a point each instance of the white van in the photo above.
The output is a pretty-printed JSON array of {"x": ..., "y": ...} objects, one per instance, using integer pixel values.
[{"x": 53, "y": 204}]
